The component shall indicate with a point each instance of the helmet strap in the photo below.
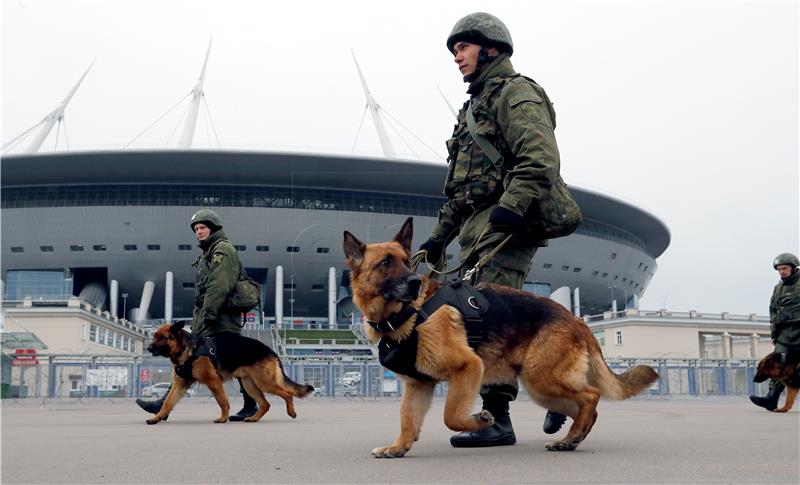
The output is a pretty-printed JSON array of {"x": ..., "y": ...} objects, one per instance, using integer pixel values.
[{"x": 484, "y": 59}]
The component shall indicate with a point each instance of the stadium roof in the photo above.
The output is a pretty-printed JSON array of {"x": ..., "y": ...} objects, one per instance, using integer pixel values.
[{"x": 256, "y": 168}]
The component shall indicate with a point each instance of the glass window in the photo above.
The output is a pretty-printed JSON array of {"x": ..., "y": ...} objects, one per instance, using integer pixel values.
[
  {"x": 317, "y": 287},
  {"x": 240, "y": 247},
  {"x": 39, "y": 285},
  {"x": 187, "y": 285},
  {"x": 618, "y": 336},
  {"x": 103, "y": 336},
  {"x": 130, "y": 247},
  {"x": 46, "y": 249},
  {"x": 537, "y": 288},
  {"x": 565, "y": 268},
  {"x": 76, "y": 247},
  {"x": 547, "y": 266},
  {"x": 100, "y": 247},
  {"x": 600, "y": 335},
  {"x": 17, "y": 249},
  {"x": 613, "y": 255},
  {"x": 93, "y": 333},
  {"x": 154, "y": 247},
  {"x": 576, "y": 270},
  {"x": 289, "y": 286},
  {"x": 292, "y": 249},
  {"x": 184, "y": 247},
  {"x": 323, "y": 250},
  {"x": 595, "y": 273},
  {"x": 262, "y": 248}
]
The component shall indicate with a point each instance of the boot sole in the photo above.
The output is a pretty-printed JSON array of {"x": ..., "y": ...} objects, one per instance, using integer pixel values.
[{"x": 504, "y": 441}]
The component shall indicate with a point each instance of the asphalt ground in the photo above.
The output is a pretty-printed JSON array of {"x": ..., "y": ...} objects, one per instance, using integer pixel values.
[{"x": 645, "y": 440}]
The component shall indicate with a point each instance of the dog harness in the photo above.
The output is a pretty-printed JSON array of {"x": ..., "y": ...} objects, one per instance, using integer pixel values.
[
  {"x": 400, "y": 357},
  {"x": 203, "y": 347}
]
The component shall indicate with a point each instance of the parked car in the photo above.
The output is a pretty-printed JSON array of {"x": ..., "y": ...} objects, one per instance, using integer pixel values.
[
  {"x": 341, "y": 390},
  {"x": 160, "y": 390},
  {"x": 351, "y": 378}
]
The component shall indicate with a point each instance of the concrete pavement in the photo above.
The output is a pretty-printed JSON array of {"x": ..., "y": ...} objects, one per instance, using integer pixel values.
[{"x": 645, "y": 440}]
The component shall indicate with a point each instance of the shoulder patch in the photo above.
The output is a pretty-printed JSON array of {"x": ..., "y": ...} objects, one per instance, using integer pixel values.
[{"x": 216, "y": 258}]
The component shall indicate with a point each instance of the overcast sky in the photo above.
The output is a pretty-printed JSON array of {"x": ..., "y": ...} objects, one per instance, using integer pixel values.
[{"x": 686, "y": 109}]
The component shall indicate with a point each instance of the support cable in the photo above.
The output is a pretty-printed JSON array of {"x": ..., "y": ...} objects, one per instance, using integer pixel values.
[
  {"x": 157, "y": 120},
  {"x": 415, "y": 136},
  {"x": 11, "y": 143},
  {"x": 391, "y": 125},
  {"x": 358, "y": 132},
  {"x": 58, "y": 130},
  {"x": 183, "y": 115},
  {"x": 213, "y": 125},
  {"x": 66, "y": 139}
]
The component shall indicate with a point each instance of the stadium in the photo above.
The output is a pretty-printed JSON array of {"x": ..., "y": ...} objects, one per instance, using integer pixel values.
[{"x": 111, "y": 225}]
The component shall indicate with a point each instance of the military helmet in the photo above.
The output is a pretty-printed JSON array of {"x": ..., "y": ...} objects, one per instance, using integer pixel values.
[
  {"x": 483, "y": 29},
  {"x": 786, "y": 258},
  {"x": 207, "y": 217}
]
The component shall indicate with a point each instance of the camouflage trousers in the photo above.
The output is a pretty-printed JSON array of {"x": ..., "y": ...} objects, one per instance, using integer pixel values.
[{"x": 508, "y": 267}]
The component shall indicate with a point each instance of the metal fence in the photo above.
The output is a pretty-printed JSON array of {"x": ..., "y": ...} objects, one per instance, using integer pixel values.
[{"x": 79, "y": 376}]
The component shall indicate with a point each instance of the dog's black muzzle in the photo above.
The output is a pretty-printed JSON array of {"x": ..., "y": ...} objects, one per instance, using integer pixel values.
[
  {"x": 158, "y": 350},
  {"x": 404, "y": 289}
]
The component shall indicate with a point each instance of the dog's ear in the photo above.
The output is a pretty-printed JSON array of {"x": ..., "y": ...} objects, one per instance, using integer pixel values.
[
  {"x": 406, "y": 234},
  {"x": 177, "y": 326},
  {"x": 353, "y": 250}
]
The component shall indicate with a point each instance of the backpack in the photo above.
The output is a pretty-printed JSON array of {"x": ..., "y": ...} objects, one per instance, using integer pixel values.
[
  {"x": 558, "y": 213},
  {"x": 246, "y": 293}
]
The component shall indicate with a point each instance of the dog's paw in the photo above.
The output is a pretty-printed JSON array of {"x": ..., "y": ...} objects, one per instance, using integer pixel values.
[
  {"x": 293, "y": 415},
  {"x": 153, "y": 420},
  {"x": 484, "y": 417},
  {"x": 221, "y": 420},
  {"x": 389, "y": 452},
  {"x": 781, "y": 410},
  {"x": 251, "y": 419},
  {"x": 560, "y": 446}
]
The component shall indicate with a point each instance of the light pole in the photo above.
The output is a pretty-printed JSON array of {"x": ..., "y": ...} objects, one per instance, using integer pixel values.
[{"x": 124, "y": 306}]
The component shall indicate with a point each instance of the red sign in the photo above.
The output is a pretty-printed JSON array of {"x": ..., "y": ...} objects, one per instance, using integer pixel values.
[
  {"x": 145, "y": 375},
  {"x": 25, "y": 357}
]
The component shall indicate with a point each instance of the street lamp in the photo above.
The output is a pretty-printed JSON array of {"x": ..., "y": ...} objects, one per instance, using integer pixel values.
[{"x": 124, "y": 306}]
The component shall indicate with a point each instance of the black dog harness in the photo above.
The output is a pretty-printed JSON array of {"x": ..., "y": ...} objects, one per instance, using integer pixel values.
[
  {"x": 400, "y": 357},
  {"x": 203, "y": 347}
]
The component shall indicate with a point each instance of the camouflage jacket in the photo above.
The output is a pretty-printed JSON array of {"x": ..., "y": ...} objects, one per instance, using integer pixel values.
[
  {"x": 516, "y": 115},
  {"x": 217, "y": 272},
  {"x": 784, "y": 310}
]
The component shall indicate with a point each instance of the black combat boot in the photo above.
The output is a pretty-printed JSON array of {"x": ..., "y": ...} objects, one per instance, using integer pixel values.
[
  {"x": 500, "y": 434},
  {"x": 553, "y": 422},
  {"x": 770, "y": 401},
  {"x": 153, "y": 407},
  {"x": 250, "y": 406}
]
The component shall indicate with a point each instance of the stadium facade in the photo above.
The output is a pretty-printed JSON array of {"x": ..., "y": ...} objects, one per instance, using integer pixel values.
[{"x": 104, "y": 223}]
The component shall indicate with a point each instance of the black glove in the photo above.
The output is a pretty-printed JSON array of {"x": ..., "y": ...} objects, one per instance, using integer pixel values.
[
  {"x": 434, "y": 248},
  {"x": 506, "y": 220}
]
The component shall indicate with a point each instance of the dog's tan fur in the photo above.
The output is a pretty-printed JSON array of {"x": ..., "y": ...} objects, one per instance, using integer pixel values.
[
  {"x": 770, "y": 367},
  {"x": 264, "y": 375},
  {"x": 559, "y": 362}
]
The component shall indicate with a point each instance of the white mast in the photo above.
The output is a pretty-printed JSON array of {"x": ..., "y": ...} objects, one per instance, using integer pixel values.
[
  {"x": 54, "y": 116},
  {"x": 194, "y": 106},
  {"x": 375, "y": 108}
]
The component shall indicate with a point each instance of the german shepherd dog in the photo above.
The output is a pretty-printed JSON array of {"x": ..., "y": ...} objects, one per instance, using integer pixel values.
[
  {"x": 784, "y": 367},
  {"x": 552, "y": 352},
  {"x": 254, "y": 363}
]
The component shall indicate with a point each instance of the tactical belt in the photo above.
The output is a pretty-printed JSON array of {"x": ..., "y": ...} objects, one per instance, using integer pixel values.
[
  {"x": 204, "y": 347},
  {"x": 401, "y": 357}
]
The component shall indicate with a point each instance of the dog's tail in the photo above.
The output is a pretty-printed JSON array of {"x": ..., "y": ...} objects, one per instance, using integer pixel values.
[
  {"x": 620, "y": 386},
  {"x": 299, "y": 390}
]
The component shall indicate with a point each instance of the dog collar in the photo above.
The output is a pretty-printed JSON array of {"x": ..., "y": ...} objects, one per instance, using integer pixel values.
[{"x": 393, "y": 321}]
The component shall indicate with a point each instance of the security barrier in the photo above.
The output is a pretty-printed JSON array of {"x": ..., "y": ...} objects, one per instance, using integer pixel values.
[{"x": 81, "y": 376}]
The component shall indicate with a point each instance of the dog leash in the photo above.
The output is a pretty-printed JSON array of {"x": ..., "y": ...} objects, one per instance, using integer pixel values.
[{"x": 422, "y": 256}]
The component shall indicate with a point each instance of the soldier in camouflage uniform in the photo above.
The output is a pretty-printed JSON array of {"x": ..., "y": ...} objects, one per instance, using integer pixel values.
[
  {"x": 516, "y": 116},
  {"x": 217, "y": 271},
  {"x": 784, "y": 317}
]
